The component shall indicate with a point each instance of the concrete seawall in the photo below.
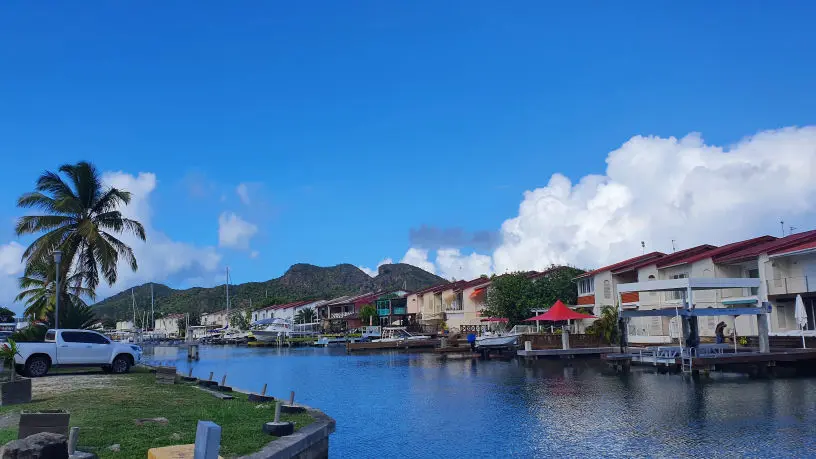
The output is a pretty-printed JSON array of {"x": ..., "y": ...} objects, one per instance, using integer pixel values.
[{"x": 310, "y": 442}]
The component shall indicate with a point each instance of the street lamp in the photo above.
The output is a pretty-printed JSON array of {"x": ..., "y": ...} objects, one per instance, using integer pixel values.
[{"x": 57, "y": 260}]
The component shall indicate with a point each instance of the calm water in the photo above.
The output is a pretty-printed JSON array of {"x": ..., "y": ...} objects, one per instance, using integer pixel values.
[{"x": 416, "y": 406}]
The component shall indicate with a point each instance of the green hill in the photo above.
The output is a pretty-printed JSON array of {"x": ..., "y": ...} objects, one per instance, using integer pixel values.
[{"x": 300, "y": 282}]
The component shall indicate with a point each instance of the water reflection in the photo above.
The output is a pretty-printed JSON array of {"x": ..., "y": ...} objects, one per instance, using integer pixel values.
[{"x": 417, "y": 405}]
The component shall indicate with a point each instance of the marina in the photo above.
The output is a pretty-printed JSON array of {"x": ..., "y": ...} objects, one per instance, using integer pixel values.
[{"x": 600, "y": 411}]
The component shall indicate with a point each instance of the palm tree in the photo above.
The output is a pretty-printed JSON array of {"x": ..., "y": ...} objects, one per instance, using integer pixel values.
[
  {"x": 305, "y": 316},
  {"x": 38, "y": 290},
  {"x": 606, "y": 326},
  {"x": 81, "y": 219}
]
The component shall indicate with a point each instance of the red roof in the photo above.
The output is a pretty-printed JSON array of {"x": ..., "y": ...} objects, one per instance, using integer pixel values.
[
  {"x": 428, "y": 289},
  {"x": 558, "y": 312},
  {"x": 623, "y": 264},
  {"x": 678, "y": 258},
  {"x": 796, "y": 248},
  {"x": 719, "y": 251},
  {"x": 776, "y": 246}
]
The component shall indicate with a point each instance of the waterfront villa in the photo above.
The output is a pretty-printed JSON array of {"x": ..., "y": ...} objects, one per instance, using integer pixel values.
[
  {"x": 785, "y": 266},
  {"x": 341, "y": 313},
  {"x": 168, "y": 325}
]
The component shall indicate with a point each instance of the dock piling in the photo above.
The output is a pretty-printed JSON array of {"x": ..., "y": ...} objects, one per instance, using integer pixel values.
[
  {"x": 190, "y": 373},
  {"x": 277, "y": 411},
  {"x": 224, "y": 380},
  {"x": 263, "y": 391},
  {"x": 292, "y": 398},
  {"x": 211, "y": 375}
]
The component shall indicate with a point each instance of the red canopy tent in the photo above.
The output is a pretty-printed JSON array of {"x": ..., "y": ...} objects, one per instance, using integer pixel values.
[{"x": 558, "y": 312}]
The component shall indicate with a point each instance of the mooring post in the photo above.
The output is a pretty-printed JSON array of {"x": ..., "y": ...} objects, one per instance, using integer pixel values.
[
  {"x": 211, "y": 375},
  {"x": 73, "y": 436},
  {"x": 762, "y": 331},
  {"x": 263, "y": 391},
  {"x": 224, "y": 380},
  {"x": 277, "y": 411},
  {"x": 190, "y": 373},
  {"x": 292, "y": 398},
  {"x": 208, "y": 440}
]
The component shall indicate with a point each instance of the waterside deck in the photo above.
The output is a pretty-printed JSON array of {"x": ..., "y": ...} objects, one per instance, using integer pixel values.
[
  {"x": 581, "y": 352},
  {"x": 744, "y": 360}
]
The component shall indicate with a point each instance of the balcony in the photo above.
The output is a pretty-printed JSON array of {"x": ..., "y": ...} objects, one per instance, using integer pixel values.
[
  {"x": 397, "y": 311},
  {"x": 791, "y": 285},
  {"x": 453, "y": 307}
]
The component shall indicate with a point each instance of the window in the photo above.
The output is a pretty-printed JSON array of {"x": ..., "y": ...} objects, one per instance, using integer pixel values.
[
  {"x": 586, "y": 286},
  {"x": 607, "y": 290},
  {"x": 651, "y": 278},
  {"x": 754, "y": 274},
  {"x": 50, "y": 336},
  {"x": 84, "y": 337},
  {"x": 677, "y": 294}
]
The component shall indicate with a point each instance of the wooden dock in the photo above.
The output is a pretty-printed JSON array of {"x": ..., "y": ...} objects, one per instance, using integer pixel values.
[
  {"x": 778, "y": 362},
  {"x": 391, "y": 345},
  {"x": 578, "y": 352}
]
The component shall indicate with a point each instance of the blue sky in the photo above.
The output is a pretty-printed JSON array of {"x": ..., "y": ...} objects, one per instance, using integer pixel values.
[{"x": 353, "y": 122}]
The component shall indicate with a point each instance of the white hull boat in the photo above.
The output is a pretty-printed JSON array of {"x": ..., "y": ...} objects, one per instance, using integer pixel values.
[
  {"x": 397, "y": 334},
  {"x": 273, "y": 329}
]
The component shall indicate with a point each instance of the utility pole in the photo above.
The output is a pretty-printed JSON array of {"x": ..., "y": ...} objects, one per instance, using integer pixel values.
[
  {"x": 673, "y": 248},
  {"x": 782, "y": 224}
]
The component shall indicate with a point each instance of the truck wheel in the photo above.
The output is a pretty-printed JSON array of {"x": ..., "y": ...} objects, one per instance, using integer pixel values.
[
  {"x": 37, "y": 366},
  {"x": 121, "y": 364}
]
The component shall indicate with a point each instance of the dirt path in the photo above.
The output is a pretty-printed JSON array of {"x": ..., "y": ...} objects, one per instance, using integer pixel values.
[{"x": 58, "y": 384}]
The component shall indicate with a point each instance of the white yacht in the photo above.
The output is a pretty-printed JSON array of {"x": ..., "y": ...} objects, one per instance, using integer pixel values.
[
  {"x": 396, "y": 334},
  {"x": 272, "y": 329}
]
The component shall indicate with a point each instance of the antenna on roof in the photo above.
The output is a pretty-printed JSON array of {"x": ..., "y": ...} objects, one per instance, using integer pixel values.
[
  {"x": 673, "y": 248},
  {"x": 782, "y": 224},
  {"x": 791, "y": 229},
  {"x": 642, "y": 247}
]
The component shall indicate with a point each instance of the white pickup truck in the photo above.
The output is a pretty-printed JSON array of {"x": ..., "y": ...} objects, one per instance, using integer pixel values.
[{"x": 75, "y": 348}]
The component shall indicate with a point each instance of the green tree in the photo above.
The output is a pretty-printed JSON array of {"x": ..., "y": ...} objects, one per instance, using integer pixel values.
[
  {"x": 6, "y": 315},
  {"x": 81, "y": 219},
  {"x": 558, "y": 284},
  {"x": 368, "y": 314},
  {"x": 38, "y": 290},
  {"x": 510, "y": 296},
  {"x": 606, "y": 326},
  {"x": 240, "y": 319},
  {"x": 305, "y": 316},
  {"x": 74, "y": 316}
]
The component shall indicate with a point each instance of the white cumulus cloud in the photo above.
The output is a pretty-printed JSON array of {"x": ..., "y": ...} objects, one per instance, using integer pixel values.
[
  {"x": 653, "y": 190},
  {"x": 419, "y": 258},
  {"x": 160, "y": 258},
  {"x": 374, "y": 272},
  {"x": 658, "y": 189},
  {"x": 451, "y": 264},
  {"x": 242, "y": 190},
  {"x": 234, "y": 232}
]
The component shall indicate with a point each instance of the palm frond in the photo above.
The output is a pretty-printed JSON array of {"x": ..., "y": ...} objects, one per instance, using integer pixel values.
[
  {"x": 122, "y": 249},
  {"x": 30, "y": 224},
  {"x": 110, "y": 200},
  {"x": 86, "y": 181}
]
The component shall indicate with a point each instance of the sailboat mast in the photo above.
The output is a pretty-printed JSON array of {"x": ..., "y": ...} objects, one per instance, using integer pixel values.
[
  {"x": 228, "y": 305},
  {"x": 152, "y": 313},
  {"x": 133, "y": 301}
]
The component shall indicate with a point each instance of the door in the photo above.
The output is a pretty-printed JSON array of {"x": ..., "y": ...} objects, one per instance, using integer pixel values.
[{"x": 80, "y": 347}]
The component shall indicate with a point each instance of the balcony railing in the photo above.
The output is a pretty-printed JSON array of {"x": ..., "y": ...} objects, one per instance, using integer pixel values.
[
  {"x": 789, "y": 285},
  {"x": 453, "y": 307}
]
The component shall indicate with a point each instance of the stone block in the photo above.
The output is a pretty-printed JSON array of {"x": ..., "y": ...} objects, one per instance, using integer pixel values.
[
  {"x": 14, "y": 392},
  {"x": 172, "y": 452},
  {"x": 53, "y": 421},
  {"x": 37, "y": 446}
]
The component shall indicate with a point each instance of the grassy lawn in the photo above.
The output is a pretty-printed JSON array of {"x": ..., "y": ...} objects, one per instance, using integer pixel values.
[{"x": 106, "y": 415}]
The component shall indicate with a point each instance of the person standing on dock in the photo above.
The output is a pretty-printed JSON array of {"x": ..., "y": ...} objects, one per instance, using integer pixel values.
[
  {"x": 471, "y": 337},
  {"x": 719, "y": 332}
]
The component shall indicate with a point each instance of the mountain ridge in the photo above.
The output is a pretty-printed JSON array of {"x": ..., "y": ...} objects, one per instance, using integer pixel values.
[{"x": 302, "y": 281}]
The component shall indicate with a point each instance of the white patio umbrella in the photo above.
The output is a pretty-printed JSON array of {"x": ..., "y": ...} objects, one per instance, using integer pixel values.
[{"x": 800, "y": 314}]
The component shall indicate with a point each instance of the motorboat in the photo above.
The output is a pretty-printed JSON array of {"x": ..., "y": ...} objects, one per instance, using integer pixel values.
[
  {"x": 271, "y": 329},
  {"x": 397, "y": 334},
  {"x": 503, "y": 339}
]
